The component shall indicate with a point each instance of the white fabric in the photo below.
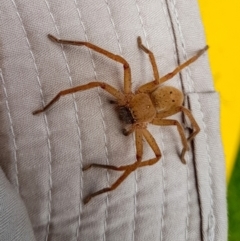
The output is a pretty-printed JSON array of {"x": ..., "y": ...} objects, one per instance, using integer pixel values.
[{"x": 42, "y": 156}]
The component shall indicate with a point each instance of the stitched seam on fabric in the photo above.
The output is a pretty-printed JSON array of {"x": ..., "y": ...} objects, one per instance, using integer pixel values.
[
  {"x": 166, "y": 10},
  {"x": 15, "y": 148},
  {"x": 187, "y": 167},
  {"x": 173, "y": 38},
  {"x": 191, "y": 88},
  {"x": 121, "y": 52},
  {"x": 142, "y": 23},
  {"x": 135, "y": 205},
  {"x": 188, "y": 158},
  {"x": 45, "y": 120},
  {"x": 189, "y": 81},
  {"x": 81, "y": 178},
  {"x": 161, "y": 133},
  {"x": 188, "y": 198},
  {"x": 164, "y": 188},
  {"x": 147, "y": 43},
  {"x": 114, "y": 27},
  {"x": 101, "y": 110},
  {"x": 76, "y": 114},
  {"x": 211, "y": 218},
  {"x": 106, "y": 211},
  {"x": 197, "y": 189},
  {"x": 188, "y": 76},
  {"x": 135, "y": 200}
]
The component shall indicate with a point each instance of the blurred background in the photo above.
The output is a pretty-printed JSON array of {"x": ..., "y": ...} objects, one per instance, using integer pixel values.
[{"x": 221, "y": 20}]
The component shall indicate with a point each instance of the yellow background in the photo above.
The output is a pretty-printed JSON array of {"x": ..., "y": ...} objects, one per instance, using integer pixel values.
[{"x": 221, "y": 21}]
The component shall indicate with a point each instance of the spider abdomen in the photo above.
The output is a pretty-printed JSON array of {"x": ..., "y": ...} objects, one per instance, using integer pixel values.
[{"x": 166, "y": 97}]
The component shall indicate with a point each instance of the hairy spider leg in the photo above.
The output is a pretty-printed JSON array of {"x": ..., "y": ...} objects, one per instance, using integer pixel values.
[
  {"x": 154, "y": 146},
  {"x": 151, "y": 86},
  {"x": 169, "y": 122},
  {"x": 151, "y": 57},
  {"x": 128, "y": 169},
  {"x": 117, "y": 58},
  {"x": 187, "y": 112},
  {"x": 111, "y": 90},
  {"x": 139, "y": 151},
  {"x": 108, "y": 189},
  {"x": 158, "y": 120}
]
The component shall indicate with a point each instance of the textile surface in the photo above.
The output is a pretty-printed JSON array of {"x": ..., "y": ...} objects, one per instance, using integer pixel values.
[{"x": 42, "y": 183}]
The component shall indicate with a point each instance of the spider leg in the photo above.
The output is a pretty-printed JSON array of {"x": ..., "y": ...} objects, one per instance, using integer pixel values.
[
  {"x": 153, "y": 144},
  {"x": 193, "y": 122},
  {"x": 151, "y": 86},
  {"x": 151, "y": 57},
  {"x": 182, "y": 66},
  {"x": 111, "y": 90},
  {"x": 130, "y": 168},
  {"x": 168, "y": 122},
  {"x": 108, "y": 189},
  {"x": 115, "y": 168},
  {"x": 139, "y": 151},
  {"x": 187, "y": 112},
  {"x": 117, "y": 58},
  {"x": 127, "y": 169}
]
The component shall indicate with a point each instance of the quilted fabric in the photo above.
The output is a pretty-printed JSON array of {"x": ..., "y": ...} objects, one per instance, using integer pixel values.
[{"x": 42, "y": 156}]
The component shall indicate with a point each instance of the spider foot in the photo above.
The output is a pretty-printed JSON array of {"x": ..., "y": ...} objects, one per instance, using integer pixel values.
[
  {"x": 141, "y": 46},
  {"x": 37, "y": 112},
  {"x": 139, "y": 41},
  {"x": 183, "y": 154},
  {"x": 125, "y": 132},
  {"x": 87, "y": 167},
  {"x": 191, "y": 137},
  {"x": 89, "y": 197},
  {"x": 53, "y": 38},
  {"x": 112, "y": 102}
]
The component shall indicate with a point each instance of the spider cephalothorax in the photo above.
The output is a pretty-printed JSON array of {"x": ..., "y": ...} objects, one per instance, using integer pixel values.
[{"x": 151, "y": 103}]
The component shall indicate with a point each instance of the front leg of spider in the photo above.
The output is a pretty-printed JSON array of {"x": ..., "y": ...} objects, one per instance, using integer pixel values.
[{"x": 151, "y": 103}]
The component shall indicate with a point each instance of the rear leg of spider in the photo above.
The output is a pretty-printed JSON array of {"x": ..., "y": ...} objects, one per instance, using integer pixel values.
[
  {"x": 128, "y": 169},
  {"x": 139, "y": 151},
  {"x": 108, "y": 189},
  {"x": 173, "y": 107},
  {"x": 139, "y": 147},
  {"x": 185, "y": 111},
  {"x": 168, "y": 122}
]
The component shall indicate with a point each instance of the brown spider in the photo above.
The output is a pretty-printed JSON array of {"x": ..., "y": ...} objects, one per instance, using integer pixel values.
[{"x": 151, "y": 103}]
